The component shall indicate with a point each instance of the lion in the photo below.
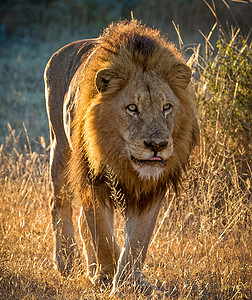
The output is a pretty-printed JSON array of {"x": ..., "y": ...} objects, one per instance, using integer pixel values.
[{"x": 119, "y": 104}]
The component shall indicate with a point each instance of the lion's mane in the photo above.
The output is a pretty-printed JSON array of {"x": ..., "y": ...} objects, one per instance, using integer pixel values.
[{"x": 125, "y": 47}]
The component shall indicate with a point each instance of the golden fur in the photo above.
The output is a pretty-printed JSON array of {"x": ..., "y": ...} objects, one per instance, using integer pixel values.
[
  {"x": 122, "y": 127},
  {"x": 124, "y": 48}
]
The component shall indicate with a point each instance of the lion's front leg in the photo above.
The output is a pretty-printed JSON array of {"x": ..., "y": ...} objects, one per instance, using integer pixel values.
[
  {"x": 104, "y": 249},
  {"x": 88, "y": 247},
  {"x": 137, "y": 233}
]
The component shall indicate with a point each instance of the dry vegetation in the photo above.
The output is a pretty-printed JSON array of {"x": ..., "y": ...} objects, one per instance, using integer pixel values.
[{"x": 202, "y": 246}]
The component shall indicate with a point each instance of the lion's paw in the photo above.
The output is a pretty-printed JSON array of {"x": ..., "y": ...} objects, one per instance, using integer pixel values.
[
  {"x": 66, "y": 260},
  {"x": 102, "y": 280}
]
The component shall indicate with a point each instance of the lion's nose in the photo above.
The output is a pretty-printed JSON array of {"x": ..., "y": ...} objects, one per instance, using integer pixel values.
[{"x": 156, "y": 147}]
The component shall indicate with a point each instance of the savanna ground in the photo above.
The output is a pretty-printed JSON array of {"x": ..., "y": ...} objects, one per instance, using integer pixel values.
[{"x": 202, "y": 245}]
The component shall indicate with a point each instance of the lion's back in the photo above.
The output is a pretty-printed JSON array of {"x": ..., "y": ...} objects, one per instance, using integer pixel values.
[{"x": 58, "y": 74}]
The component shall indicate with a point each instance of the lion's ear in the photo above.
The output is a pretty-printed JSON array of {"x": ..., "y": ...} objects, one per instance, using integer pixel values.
[
  {"x": 180, "y": 75},
  {"x": 105, "y": 79}
]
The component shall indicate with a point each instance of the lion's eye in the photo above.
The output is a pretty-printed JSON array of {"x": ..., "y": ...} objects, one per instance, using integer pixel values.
[
  {"x": 132, "y": 108},
  {"x": 167, "y": 107}
]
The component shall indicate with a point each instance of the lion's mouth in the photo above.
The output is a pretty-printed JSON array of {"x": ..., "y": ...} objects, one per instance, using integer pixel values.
[{"x": 153, "y": 160}]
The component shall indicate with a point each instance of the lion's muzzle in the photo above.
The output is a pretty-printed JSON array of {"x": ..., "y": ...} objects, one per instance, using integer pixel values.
[{"x": 156, "y": 147}]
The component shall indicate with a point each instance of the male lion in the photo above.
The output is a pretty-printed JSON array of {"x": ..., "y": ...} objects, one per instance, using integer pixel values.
[{"x": 119, "y": 104}]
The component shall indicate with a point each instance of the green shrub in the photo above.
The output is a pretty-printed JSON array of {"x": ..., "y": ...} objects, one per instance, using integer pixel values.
[{"x": 228, "y": 76}]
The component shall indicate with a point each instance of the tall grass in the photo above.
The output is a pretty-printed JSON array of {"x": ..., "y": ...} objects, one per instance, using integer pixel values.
[{"x": 202, "y": 247}]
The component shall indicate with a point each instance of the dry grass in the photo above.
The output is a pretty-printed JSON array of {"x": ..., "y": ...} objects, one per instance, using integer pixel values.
[{"x": 201, "y": 248}]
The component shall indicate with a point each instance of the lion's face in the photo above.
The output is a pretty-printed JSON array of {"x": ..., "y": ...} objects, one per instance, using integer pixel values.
[
  {"x": 144, "y": 112},
  {"x": 133, "y": 114}
]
